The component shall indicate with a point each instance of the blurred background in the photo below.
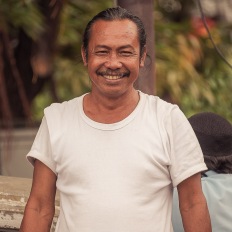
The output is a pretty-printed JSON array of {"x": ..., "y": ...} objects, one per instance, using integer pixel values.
[{"x": 40, "y": 61}]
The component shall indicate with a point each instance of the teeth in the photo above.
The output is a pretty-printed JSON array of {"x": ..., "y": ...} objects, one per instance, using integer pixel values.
[{"x": 112, "y": 77}]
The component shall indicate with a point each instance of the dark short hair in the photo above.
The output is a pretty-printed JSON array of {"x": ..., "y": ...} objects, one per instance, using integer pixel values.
[
  {"x": 115, "y": 13},
  {"x": 221, "y": 164}
]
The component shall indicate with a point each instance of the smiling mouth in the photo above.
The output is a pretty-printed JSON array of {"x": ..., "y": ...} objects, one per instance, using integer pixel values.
[{"x": 113, "y": 76}]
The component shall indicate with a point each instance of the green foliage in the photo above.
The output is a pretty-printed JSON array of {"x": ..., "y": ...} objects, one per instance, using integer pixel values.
[
  {"x": 21, "y": 14},
  {"x": 42, "y": 100},
  {"x": 189, "y": 71},
  {"x": 69, "y": 70},
  {"x": 69, "y": 73}
]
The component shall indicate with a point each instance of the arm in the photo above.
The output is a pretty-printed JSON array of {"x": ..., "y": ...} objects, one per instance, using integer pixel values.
[
  {"x": 193, "y": 205},
  {"x": 40, "y": 207}
]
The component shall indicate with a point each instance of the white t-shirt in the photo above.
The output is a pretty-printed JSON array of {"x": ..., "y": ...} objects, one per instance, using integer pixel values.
[{"x": 117, "y": 177}]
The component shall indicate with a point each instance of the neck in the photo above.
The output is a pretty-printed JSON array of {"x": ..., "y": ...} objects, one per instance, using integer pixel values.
[{"x": 110, "y": 109}]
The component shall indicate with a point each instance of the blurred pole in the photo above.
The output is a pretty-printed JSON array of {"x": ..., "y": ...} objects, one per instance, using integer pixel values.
[{"x": 144, "y": 9}]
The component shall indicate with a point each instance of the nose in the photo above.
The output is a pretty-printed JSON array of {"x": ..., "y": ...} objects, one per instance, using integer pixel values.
[{"x": 113, "y": 62}]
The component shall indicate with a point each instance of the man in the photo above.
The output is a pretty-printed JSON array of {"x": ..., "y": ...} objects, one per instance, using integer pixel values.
[
  {"x": 115, "y": 153},
  {"x": 215, "y": 137}
]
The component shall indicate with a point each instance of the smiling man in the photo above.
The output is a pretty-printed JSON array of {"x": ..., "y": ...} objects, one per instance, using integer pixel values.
[
  {"x": 113, "y": 59},
  {"x": 115, "y": 153}
]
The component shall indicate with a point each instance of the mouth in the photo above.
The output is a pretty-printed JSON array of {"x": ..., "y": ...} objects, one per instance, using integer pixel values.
[{"x": 113, "y": 76}]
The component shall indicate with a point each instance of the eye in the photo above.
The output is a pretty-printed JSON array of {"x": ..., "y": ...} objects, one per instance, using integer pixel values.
[
  {"x": 126, "y": 53},
  {"x": 101, "y": 52}
]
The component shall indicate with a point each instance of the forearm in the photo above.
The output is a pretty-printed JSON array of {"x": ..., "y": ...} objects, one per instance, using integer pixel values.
[
  {"x": 196, "y": 218},
  {"x": 36, "y": 220},
  {"x": 40, "y": 208}
]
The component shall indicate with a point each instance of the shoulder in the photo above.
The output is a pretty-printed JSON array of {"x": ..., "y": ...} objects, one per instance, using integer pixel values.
[
  {"x": 163, "y": 110},
  {"x": 61, "y": 108},
  {"x": 157, "y": 103},
  {"x": 60, "y": 115}
]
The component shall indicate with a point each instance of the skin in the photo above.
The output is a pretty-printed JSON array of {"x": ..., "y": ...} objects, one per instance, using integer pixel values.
[
  {"x": 113, "y": 64},
  {"x": 193, "y": 205},
  {"x": 40, "y": 207}
]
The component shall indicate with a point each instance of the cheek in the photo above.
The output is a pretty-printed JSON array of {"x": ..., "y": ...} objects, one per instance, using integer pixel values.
[
  {"x": 95, "y": 61},
  {"x": 135, "y": 66},
  {"x": 93, "y": 66}
]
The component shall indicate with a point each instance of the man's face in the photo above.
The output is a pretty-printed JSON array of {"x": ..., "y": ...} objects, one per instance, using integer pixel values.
[{"x": 113, "y": 57}]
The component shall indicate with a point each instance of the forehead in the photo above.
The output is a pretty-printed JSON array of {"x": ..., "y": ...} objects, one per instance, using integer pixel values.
[{"x": 115, "y": 31}]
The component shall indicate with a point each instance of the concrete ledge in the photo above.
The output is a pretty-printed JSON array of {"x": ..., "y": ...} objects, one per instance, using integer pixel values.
[{"x": 14, "y": 193}]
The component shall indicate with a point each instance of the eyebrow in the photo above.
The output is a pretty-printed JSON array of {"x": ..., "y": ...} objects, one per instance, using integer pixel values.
[
  {"x": 102, "y": 46},
  {"x": 127, "y": 46},
  {"x": 122, "y": 47}
]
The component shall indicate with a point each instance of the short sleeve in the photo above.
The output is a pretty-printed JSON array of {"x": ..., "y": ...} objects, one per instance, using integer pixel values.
[
  {"x": 41, "y": 147},
  {"x": 186, "y": 154}
]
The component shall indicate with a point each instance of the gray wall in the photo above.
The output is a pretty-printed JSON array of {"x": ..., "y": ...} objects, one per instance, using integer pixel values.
[{"x": 14, "y": 145}]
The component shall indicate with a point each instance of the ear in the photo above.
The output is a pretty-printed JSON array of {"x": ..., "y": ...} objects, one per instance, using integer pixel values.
[
  {"x": 83, "y": 54},
  {"x": 143, "y": 57}
]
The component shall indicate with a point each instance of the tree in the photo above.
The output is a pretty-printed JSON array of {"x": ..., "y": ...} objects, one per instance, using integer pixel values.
[
  {"x": 190, "y": 72},
  {"x": 28, "y": 31},
  {"x": 40, "y": 59}
]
